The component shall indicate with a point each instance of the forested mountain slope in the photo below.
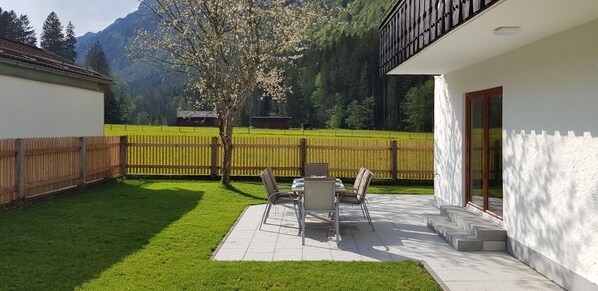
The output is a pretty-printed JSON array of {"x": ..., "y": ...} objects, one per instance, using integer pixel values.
[{"x": 337, "y": 78}]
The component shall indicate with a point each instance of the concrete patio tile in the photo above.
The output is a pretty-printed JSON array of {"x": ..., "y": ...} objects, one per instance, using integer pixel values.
[
  {"x": 288, "y": 255},
  {"x": 265, "y": 236},
  {"x": 236, "y": 244},
  {"x": 322, "y": 255},
  {"x": 289, "y": 229},
  {"x": 346, "y": 255},
  {"x": 251, "y": 256},
  {"x": 375, "y": 256},
  {"x": 506, "y": 285},
  {"x": 247, "y": 226},
  {"x": 321, "y": 243},
  {"x": 289, "y": 243},
  {"x": 345, "y": 243},
  {"x": 230, "y": 255},
  {"x": 262, "y": 247},
  {"x": 398, "y": 258},
  {"x": 241, "y": 234}
]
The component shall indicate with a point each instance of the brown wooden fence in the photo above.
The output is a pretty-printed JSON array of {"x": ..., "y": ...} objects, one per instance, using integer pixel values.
[
  {"x": 36, "y": 166},
  {"x": 32, "y": 167}
]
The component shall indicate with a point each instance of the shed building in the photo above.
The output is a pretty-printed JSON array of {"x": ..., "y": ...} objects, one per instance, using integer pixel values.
[{"x": 197, "y": 118}]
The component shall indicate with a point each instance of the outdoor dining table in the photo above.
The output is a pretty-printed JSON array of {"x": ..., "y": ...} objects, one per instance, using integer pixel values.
[{"x": 299, "y": 185}]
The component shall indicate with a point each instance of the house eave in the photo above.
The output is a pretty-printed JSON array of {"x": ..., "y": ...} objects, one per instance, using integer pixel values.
[{"x": 474, "y": 41}]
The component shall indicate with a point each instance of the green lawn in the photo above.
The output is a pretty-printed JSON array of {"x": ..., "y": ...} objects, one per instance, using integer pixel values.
[
  {"x": 160, "y": 235},
  {"x": 121, "y": 129}
]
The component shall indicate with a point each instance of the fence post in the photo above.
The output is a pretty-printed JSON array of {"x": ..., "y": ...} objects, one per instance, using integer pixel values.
[
  {"x": 123, "y": 155},
  {"x": 20, "y": 169},
  {"x": 214, "y": 171},
  {"x": 82, "y": 160},
  {"x": 393, "y": 160},
  {"x": 303, "y": 155}
]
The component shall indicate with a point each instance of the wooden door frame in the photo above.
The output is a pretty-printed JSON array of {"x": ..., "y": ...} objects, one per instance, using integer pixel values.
[{"x": 485, "y": 94}]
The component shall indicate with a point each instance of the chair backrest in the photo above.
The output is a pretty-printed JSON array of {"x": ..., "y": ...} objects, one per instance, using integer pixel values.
[
  {"x": 359, "y": 178},
  {"x": 267, "y": 181},
  {"x": 316, "y": 169},
  {"x": 319, "y": 194},
  {"x": 272, "y": 178},
  {"x": 364, "y": 184}
]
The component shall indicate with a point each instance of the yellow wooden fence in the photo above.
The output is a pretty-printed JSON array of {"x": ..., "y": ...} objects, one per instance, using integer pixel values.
[{"x": 197, "y": 155}]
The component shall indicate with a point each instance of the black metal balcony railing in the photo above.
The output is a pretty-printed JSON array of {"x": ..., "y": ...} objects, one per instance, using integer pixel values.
[{"x": 411, "y": 25}]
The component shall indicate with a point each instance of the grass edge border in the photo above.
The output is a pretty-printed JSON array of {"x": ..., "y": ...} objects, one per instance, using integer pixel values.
[
  {"x": 435, "y": 276},
  {"x": 230, "y": 230}
]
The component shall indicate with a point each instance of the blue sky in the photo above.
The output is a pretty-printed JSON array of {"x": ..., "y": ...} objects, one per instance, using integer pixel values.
[{"x": 86, "y": 15}]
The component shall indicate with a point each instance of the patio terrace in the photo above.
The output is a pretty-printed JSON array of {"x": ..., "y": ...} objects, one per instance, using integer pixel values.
[{"x": 400, "y": 234}]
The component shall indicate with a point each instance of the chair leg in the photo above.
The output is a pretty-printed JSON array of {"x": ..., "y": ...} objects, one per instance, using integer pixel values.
[
  {"x": 268, "y": 212},
  {"x": 302, "y": 227},
  {"x": 336, "y": 224},
  {"x": 265, "y": 215},
  {"x": 368, "y": 216},
  {"x": 298, "y": 215},
  {"x": 362, "y": 211}
]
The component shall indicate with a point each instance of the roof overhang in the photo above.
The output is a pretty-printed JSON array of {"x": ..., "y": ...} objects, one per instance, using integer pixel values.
[{"x": 475, "y": 40}]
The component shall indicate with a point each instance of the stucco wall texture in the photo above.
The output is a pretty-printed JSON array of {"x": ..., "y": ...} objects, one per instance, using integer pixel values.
[
  {"x": 36, "y": 109},
  {"x": 550, "y": 143}
]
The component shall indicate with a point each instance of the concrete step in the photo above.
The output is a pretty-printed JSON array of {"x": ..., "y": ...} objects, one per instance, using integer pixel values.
[
  {"x": 458, "y": 238},
  {"x": 477, "y": 226},
  {"x": 465, "y": 230}
]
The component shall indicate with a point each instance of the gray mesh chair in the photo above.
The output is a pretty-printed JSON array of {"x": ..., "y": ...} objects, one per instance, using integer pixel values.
[
  {"x": 273, "y": 178},
  {"x": 319, "y": 196},
  {"x": 357, "y": 197},
  {"x": 275, "y": 197},
  {"x": 316, "y": 169},
  {"x": 352, "y": 190}
]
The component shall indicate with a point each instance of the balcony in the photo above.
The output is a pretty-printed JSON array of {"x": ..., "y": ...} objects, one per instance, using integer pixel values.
[
  {"x": 432, "y": 37},
  {"x": 411, "y": 25}
]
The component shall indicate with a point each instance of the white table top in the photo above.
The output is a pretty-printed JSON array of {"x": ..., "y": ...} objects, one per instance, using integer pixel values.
[{"x": 298, "y": 185}]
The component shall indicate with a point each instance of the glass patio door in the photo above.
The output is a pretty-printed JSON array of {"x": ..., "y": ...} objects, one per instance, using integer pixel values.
[{"x": 484, "y": 150}]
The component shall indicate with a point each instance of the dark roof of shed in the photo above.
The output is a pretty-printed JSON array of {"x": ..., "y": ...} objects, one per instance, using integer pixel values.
[
  {"x": 197, "y": 114},
  {"x": 271, "y": 117},
  {"x": 39, "y": 59}
]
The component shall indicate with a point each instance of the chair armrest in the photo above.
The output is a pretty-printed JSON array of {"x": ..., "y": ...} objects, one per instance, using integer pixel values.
[{"x": 282, "y": 194}]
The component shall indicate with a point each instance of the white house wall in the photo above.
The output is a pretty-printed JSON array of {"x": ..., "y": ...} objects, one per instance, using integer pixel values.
[
  {"x": 37, "y": 109},
  {"x": 550, "y": 146}
]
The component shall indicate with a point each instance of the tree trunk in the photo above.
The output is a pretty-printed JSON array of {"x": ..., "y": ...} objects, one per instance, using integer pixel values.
[{"x": 226, "y": 135}]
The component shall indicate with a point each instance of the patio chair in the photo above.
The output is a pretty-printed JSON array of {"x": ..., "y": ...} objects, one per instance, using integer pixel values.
[
  {"x": 316, "y": 169},
  {"x": 358, "y": 196},
  {"x": 275, "y": 197},
  {"x": 352, "y": 190},
  {"x": 319, "y": 197},
  {"x": 273, "y": 178}
]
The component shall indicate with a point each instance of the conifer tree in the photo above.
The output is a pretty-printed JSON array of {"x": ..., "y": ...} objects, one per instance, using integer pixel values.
[
  {"x": 52, "y": 35},
  {"x": 69, "y": 43},
  {"x": 16, "y": 28},
  {"x": 95, "y": 59}
]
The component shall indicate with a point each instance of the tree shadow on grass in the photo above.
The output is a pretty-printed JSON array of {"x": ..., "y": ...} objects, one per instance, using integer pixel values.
[
  {"x": 261, "y": 197},
  {"x": 64, "y": 242}
]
